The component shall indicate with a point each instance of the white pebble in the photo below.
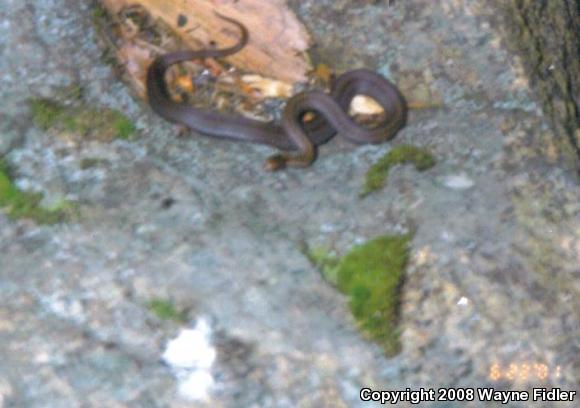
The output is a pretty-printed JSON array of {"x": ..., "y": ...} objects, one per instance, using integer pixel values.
[{"x": 458, "y": 182}]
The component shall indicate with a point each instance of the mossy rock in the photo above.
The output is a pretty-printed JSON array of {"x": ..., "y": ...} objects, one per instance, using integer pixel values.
[
  {"x": 166, "y": 310},
  {"x": 101, "y": 124},
  {"x": 371, "y": 275},
  {"x": 325, "y": 261},
  {"x": 377, "y": 175},
  {"x": 20, "y": 204}
]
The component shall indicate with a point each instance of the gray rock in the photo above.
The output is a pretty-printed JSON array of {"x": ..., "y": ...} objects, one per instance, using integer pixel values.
[
  {"x": 11, "y": 133},
  {"x": 493, "y": 276}
]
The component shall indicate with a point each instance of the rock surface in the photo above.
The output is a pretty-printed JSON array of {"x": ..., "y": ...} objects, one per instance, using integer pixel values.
[
  {"x": 495, "y": 257},
  {"x": 546, "y": 34}
]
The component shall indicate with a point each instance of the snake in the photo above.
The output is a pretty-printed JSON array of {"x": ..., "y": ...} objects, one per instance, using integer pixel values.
[{"x": 296, "y": 138}]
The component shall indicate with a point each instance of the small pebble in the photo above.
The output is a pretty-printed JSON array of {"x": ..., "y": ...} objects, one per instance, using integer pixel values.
[{"x": 458, "y": 182}]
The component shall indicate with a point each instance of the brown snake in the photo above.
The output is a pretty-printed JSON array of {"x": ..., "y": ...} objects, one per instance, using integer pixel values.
[{"x": 297, "y": 139}]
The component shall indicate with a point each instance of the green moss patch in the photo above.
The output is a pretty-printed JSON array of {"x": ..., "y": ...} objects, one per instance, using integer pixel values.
[
  {"x": 377, "y": 175},
  {"x": 20, "y": 204},
  {"x": 166, "y": 310},
  {"x": 96, "y": 123},
  {"x": 325, "y": 261},
  {"x": 371, "y": 276}
]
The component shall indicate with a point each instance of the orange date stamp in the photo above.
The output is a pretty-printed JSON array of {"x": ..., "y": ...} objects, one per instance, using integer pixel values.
[{"x": 524, "y": 371}]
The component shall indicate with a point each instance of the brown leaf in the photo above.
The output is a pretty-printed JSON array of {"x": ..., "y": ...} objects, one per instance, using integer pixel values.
[
  {"x": 324, "y": 73},
  {"x": 277, "y": 39}
]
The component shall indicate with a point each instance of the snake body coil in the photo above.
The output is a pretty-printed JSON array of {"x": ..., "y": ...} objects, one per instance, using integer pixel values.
[{"x": 296, "y": 138}]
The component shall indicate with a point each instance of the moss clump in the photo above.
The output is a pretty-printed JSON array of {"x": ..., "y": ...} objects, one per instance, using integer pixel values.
[
  {"x": 45, "y": 113},
  {"x": 377, "y": 175},
  {"x": 20, "y": 204},
  {"x": 325, "y": 261},
  {"x": 123, "y": 127},
  {"x": 165, "y": 310},
  {"x": 371, "y": 276},
  {"x": 96, "y": 123}
]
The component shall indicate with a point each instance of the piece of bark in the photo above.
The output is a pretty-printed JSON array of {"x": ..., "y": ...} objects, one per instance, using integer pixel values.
[{"x": 277, "y": 43}]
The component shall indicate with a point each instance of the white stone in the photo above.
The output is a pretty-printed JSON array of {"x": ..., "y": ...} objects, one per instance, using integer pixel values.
[
  {"x": 458, "y": 182},
  {"x": 191, "y": 348}
]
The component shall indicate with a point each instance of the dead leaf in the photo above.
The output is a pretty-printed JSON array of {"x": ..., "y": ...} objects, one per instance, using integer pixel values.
[
  {"x": 267, "y": 87},
  {"x": 324, "y": 73},
  {"x": 277, "y": 39}
]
